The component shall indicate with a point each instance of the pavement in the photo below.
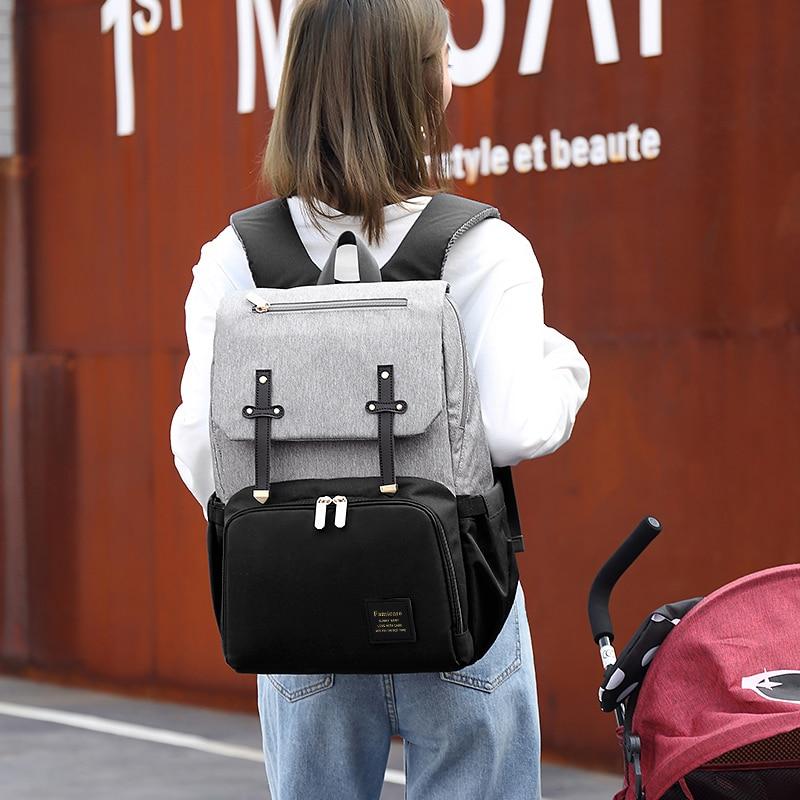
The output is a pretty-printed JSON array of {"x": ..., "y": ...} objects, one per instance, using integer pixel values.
[{"x": 60, "y": 743}]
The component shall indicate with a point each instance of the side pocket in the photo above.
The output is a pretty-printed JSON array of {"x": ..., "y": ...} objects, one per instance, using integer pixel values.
[
  {"x": 214, "y": 509},
  {"x": 490, "y": 564}
]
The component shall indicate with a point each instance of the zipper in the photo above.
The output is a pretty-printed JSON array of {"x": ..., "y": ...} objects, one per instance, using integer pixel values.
[
  {"x": 321, "y": 507},
  {"x": 324, "y": 501},
  {"x": 260, "y": 305},
  {"x": 341, "y": 510},
  {"x": 463, "y": 361}
]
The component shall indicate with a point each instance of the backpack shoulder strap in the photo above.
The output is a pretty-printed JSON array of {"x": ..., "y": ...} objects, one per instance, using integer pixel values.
[
  {"x": 277, "y": 257},
  {"x": 423, "y": 252}
]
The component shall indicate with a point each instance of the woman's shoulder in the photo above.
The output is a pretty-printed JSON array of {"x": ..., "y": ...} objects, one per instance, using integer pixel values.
[
  {"x": 223, "y": 262},
  {"x": 495, "y": 250}
]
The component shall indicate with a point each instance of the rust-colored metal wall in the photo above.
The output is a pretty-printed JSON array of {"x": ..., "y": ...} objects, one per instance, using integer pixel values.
[{"x": 676, "y": 275}]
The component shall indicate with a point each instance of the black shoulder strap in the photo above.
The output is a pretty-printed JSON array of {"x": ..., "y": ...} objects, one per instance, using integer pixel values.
[
  {"x": 423, "y": 252},
  {"x": 278, "y": 259}
]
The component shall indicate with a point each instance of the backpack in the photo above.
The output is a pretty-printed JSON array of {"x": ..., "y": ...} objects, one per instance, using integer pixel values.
[{"x": 357, "y": 523}]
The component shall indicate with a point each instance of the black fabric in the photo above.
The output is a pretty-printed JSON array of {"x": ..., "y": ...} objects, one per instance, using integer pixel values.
[
  {"x": 779, "y": 783},
  {"x": 423, "y": 252},
  {"x": 257, "y": 554},
  {"x": 276, "y": 256},
  {"x": 215, "y": 513},
  {"x": 275, "y": 620},
  {"x": 635, "y": 658},
  {"x": 506, "y": 480},
  {"x": 490, "y": 565}
]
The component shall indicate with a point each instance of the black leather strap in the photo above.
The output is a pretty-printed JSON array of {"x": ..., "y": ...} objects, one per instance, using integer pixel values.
[
  {"x": 264, "y": 412},
  {"x": 395, "y": 406},
  {"x": 386, "y": 406}
]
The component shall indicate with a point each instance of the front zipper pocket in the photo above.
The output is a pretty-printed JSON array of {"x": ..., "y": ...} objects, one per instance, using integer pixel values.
[
  {"x": 262, "y": 306},
  {"x": 318, "y": 510},
  {"x": 300, "y": 585}
]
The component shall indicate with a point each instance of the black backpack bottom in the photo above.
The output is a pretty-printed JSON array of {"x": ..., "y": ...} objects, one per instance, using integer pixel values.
[{"x": 417, "y": 581}]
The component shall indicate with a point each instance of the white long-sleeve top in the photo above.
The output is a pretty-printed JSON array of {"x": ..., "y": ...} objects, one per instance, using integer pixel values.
[{"x": 532, "y": 380}]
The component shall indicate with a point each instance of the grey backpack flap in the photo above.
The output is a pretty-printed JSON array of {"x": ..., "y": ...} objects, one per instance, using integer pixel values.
[{"x": 357, "y": 523}]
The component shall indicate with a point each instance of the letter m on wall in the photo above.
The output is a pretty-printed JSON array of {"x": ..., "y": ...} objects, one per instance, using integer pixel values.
[{"x": 256, "y": 18}]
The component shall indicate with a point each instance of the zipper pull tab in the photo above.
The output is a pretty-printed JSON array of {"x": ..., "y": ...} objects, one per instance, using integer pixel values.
[
  {"x": 341, "y": 510},
  {"x": 319, "y": 515},
  {"x": 259, "y": 303}
]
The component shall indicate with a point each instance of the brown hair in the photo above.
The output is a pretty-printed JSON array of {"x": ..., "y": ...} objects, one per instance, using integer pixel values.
[{"x": 359, "y": 121}]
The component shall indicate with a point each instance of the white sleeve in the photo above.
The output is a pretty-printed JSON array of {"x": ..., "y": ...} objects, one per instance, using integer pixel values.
[
  {"x": 189, "y": 430},
  {"x": 532, "y": 379}
]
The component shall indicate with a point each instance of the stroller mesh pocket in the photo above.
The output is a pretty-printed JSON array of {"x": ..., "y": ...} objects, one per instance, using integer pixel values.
[
  {"x": 785, "y": 747},
  {"x": 768, "y": 769}
]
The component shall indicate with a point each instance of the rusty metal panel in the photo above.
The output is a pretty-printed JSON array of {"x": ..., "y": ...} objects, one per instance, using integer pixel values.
[{"x": 676, "y": 274}]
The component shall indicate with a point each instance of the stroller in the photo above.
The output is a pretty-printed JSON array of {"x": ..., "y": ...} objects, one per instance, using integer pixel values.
[{"x": 707, "y": 692}]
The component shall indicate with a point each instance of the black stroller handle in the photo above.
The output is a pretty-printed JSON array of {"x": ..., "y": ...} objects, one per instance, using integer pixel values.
[{"x": 612, "y": 571}]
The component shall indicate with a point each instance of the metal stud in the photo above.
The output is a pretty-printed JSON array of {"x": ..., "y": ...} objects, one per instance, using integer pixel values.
[
  {"x": 399, "y": 406},
  {"x": 384, "y": 374},
  {"x": 262, "y": 379},
  {"x": 249, "y": 410},
  {"x": 276, "y": 410},
  {"x": 371, "y": 406}
]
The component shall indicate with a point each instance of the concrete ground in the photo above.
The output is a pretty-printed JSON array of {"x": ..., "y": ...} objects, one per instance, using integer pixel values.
[{"x": 60, "y": 743}]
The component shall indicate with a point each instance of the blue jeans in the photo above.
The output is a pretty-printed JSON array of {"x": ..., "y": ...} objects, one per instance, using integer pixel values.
[{"x": 472, "y": 734}]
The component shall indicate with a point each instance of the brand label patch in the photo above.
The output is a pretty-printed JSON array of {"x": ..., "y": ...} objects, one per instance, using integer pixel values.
[{"x": 390, "y": 620}]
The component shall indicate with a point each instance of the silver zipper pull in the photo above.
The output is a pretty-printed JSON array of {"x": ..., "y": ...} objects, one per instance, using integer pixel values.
[
  {"x": 259, "y": 303},
  {"x": 341, "y": 510},
  {"x": 319, "y": 515}
]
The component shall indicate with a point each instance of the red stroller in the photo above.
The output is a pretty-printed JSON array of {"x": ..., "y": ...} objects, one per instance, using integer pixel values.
[{"x": 712, "y": 710}]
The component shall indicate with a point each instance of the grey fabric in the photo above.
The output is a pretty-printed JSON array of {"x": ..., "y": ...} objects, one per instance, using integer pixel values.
[
  {"x": 426, "y": 455},
  {"x": 472, "y": 469},
  {"x": 323, "y": 364}
]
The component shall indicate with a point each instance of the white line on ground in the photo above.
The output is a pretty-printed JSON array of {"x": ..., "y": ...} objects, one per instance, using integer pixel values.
[{"x": 148, "y": 733}]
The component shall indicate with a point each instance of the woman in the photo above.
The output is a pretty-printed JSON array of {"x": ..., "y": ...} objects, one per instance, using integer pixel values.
[{"x": 357, "y": 142}]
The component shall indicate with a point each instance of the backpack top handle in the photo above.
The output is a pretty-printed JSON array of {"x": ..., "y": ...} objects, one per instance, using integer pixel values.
[{"x": 368, "y": 269}]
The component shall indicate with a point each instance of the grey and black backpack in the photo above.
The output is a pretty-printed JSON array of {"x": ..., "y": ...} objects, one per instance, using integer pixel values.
[{"x": 357, "y": 523}]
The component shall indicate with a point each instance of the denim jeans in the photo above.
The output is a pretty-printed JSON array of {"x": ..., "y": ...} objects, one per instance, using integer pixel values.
[{"x": 472, "y": 734}]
